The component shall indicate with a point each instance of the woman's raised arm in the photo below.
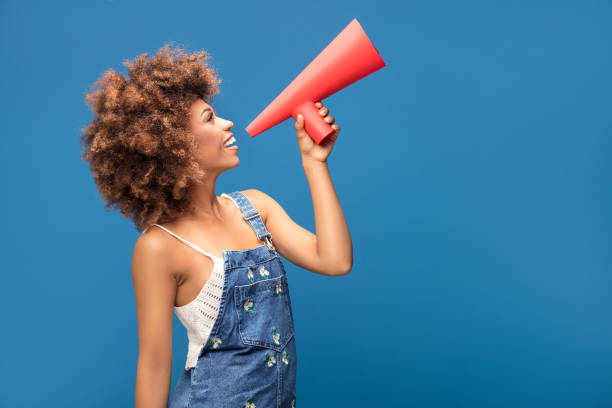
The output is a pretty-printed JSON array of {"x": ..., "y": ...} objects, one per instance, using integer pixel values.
[{"x": 330, "y": 251}]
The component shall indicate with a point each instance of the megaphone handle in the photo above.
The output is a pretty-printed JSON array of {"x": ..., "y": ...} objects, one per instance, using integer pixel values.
[{"x": 317, "y": 128}]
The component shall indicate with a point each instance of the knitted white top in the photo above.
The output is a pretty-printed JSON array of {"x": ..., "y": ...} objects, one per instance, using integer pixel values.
[{"x": 199, "y": 315}]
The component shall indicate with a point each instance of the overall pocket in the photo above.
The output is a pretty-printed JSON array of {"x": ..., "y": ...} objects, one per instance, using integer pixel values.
[{"x": 264, "y": 315}]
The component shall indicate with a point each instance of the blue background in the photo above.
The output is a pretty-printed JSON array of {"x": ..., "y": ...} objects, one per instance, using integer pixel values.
[{"x": 474, "y": 172}]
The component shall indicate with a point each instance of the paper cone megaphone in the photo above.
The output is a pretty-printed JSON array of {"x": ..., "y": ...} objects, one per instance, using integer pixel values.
[{"x": 348, "y": 58}]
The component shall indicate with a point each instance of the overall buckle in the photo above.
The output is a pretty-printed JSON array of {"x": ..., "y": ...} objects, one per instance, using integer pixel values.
[
  {"x": 253, "y": 215},
  {"x": 269, "y": 243}
]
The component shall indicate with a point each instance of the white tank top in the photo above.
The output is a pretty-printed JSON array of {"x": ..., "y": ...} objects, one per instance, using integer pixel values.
[{"x": 199, "y": 315}]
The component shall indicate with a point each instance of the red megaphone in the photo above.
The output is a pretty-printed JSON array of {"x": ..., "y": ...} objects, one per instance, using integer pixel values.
[{"x": 348, "y": 58}]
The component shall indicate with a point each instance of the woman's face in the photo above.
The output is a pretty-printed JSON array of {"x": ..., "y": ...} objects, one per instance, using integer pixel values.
[{"x": 210, "y": 133}]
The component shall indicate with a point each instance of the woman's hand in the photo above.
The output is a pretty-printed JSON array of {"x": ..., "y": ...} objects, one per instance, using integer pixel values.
[{"x": 311, "y": 151}]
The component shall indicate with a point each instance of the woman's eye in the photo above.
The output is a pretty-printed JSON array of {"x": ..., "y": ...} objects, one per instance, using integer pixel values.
[{"x": 210, "y": 117}]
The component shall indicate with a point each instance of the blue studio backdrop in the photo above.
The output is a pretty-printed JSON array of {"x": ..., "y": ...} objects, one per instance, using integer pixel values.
[{"x": 474, "y": 171}]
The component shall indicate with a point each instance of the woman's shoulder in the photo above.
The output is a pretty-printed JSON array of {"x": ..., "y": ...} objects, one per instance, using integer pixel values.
[
  {"x": 151, "y": 243},
  {"x": 152, "y": 256},
  {"x": 260, "y": 200},
  {"x": 150, "y": 235}
]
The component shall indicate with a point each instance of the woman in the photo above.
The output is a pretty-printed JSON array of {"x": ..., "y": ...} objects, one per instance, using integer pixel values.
[{"x": 156, "y": 147}]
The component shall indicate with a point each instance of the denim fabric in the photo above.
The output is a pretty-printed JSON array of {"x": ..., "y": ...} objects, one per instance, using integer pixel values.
[{"x": 250, "y": 358}]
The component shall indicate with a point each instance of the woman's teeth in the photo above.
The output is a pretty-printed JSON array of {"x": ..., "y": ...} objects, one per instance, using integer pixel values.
[{"x": 229, "y": 142}]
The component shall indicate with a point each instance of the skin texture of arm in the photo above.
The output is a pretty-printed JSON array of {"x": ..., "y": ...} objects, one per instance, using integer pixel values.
[
  {"x": 330, "y": 252},
  {"x": 155, "y": 291}
]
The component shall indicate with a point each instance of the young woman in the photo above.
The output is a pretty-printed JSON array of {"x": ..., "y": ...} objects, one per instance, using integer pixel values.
[{"x": 156, "y": 147}]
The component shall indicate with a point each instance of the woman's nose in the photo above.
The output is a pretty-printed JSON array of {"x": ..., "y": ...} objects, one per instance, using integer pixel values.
[{"x": 229, "y": 124}]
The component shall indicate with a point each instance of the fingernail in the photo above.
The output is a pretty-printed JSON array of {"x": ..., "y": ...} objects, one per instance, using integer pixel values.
[{"x": 300, "y": 117}]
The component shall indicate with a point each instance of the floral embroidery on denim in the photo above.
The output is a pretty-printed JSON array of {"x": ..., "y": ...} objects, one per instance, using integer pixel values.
[
  {"x": 270, "y": 360},
  {"x": 276, "y": 336},
  {"x": 279, "y": 289},
  {"x": 214, "y": 342},
  {"x": 248, "y": 306},
  {"x": 250, "y": 275},
  {"x": 249, "y": 403},
  {"x": 264, "y": 272},
  {"x": 285, "y": 357}
]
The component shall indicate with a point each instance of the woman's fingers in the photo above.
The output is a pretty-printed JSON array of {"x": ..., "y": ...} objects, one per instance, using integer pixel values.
[{"x": 323, "y": 111}]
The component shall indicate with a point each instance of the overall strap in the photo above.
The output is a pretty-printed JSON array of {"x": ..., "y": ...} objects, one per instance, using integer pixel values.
[{"x": 251, "y": 216}]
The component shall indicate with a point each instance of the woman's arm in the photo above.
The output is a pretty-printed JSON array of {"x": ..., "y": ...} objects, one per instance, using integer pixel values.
[
  {"x": 333, "y": 237},
  {"x": 330, "y": 252},
  {"x": 155, "y": 291}
]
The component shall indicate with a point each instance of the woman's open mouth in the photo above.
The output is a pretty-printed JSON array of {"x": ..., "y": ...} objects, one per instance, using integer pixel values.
[{"x": 230, "y": 144}]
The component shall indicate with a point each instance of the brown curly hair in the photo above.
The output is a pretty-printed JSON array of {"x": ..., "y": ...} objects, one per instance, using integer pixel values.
[{"x": 141, "y": 154}]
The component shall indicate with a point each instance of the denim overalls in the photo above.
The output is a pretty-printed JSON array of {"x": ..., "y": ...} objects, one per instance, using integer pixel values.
[{"x": 249, "y": 360}]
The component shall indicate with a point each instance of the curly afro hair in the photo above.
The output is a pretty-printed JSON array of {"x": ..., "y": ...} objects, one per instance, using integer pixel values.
[{"x": 141, "y": 154}]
